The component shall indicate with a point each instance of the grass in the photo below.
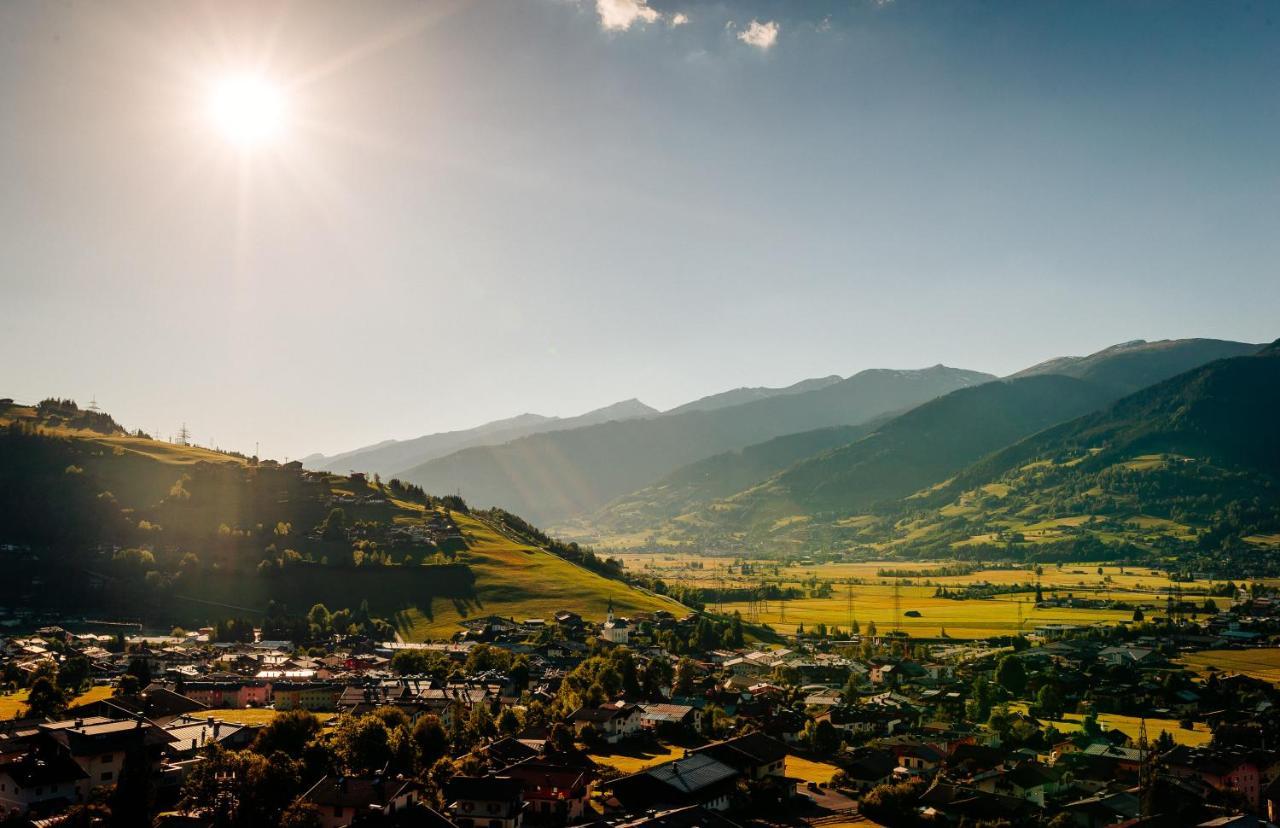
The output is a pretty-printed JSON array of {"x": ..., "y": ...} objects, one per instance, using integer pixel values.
[
  {"x": 873, "y": 593},
  {"x": 964, "y": 619},
  {"x": 14, "y": 705},
  {"x": 1260, "y": 663},
  {"x": 517, "y": 581},
  {"x": 809, "y": 770},
  {"x": 629, "y": 760},
  {"x": 1131, "y": 726},
  {"x": 252, "y": 715}
]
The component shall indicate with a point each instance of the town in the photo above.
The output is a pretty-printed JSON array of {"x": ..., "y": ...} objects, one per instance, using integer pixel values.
[{"x": 653, "y": 720}]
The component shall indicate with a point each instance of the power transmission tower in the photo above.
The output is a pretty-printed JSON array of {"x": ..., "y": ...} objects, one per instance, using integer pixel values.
[
  {"x": 93, "y": 404},
  {"x": 184, "y": 436},
  {"x": 897, "y": 605},
  {"x": 848, "y": 605}
]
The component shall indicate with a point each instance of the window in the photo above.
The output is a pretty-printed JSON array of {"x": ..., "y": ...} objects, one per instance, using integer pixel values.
[
  {"x": 107, "y": 757},
  {"x": 106, "y": 776}
]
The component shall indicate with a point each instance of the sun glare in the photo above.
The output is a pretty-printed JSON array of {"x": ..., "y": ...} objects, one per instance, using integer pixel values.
[{"x": 247, "y": 110}]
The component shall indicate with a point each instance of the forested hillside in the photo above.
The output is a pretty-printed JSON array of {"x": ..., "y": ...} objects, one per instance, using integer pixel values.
[{"x": 165, "y": 533}]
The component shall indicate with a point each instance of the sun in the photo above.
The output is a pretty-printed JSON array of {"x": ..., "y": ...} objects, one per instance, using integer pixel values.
[{"x": 248, "y": 111}]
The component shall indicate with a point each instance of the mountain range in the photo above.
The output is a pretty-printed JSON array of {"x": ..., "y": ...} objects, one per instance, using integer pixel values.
[{"x": 562, "y": 474}]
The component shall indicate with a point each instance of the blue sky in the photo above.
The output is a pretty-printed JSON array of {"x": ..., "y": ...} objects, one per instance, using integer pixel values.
[{"x": 482, "y": 208}]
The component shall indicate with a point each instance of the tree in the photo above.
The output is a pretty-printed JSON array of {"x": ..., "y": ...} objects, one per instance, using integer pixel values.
[
  {"x": 508, "y": 722},
  {"x": 362, "y": 744},
  {"x": 288, "y": 732},
  {"x": 44, "y": 701},
  {"x": 430, "y": 740},
  {"x": 302, "y": 815},
  {"x": 1049, "y": 701},
  {"x": 1137, "y": 614},
  {"x": 823, "y": 738},
  {"x": 1012, "y": 675},
  {"x": 73, "y": 673},
  {"x": 686, "y": 673}
]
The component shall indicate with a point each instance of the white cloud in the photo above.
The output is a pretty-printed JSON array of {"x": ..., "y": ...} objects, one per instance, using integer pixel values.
[
  {"x": 619, "y": 15},
  {"x": 678, "y": 19},
  {"x": 760, "y": 35}
]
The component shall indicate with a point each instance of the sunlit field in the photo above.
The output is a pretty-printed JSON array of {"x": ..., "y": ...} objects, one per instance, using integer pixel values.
[
  {"x": 864, "y": 591},
  {"x": 252, "y": 715},
  {"x": 1131, "y": 726},
  {"x": 522, "y": 582},
  {"x": 1260, "y": 663},
  {"x": 14, "y": 705},
  {"x": 630, "y": 760}
]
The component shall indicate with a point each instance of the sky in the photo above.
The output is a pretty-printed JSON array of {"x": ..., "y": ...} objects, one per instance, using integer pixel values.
[{"x": 475, "y": 209}]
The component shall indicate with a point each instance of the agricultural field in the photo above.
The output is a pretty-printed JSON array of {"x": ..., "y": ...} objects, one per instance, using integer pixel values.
[
  {"x": 864, "y": 591},
  {"x": 1260, "y": 663}
]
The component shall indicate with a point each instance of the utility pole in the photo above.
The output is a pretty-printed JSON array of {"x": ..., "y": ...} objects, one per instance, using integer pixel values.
[{"x": 1144, "y": 772}]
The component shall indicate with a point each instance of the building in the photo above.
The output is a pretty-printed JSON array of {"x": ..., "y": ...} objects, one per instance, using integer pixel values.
[
  {"x": 485, "y": 801},
  {"x": 698, "y": 779},
  {"x": 614, "y": 722},
  {"x": 342, "y": 799}
]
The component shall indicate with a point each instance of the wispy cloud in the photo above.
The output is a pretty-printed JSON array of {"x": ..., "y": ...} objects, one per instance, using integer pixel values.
[
  {"x": 760, "y": 35},
  {"x": 678, "y": 19},
  {"x": 620, "y": 15}
]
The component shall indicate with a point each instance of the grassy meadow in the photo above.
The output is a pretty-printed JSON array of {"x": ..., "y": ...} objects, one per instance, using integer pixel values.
[
  {"x": 517, "y": 581},
  {"x": 1260, "y": 663},
  {"x": 873, "y": 593},
  {"x": 14, "y": 705}
]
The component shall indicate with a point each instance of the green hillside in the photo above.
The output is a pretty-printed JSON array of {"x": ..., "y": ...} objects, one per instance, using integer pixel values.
[
  {"x": 834, "y": 496},
  {"x": 1188, "y": 469},
  {"x": 706, "y": 480},
  {"x": 126, "y": 527},
  {"x": 556, "y": 476}
]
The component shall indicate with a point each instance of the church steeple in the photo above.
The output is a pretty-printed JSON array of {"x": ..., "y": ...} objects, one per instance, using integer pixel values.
[{"x": 609, "y": 617}]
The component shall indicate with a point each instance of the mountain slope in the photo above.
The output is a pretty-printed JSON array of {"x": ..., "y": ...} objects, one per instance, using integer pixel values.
[
  {"x": 915, "y": 450},
  {"x": 550, "y": 477},
  {"x": 738, "y": 396},
  {"x": 1132, "y": 365},
  {"x": 390, "y": 456},
  {"x": 706, "y": 480},
  {"x": 1188, "y": 466},
  {"x": 132, "y": 528}
]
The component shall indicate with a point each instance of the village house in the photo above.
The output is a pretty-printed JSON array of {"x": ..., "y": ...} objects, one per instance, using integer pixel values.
[
  {"x": 613, "y": 722},
  {"x": 485, "y": 801}
]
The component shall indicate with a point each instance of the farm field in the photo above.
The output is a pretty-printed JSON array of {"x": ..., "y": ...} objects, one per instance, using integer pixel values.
[
  {"x": 1002, "y": 615},
  {"x": 1261, "y": 663},
  {"x": 872, "y": 593}
]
